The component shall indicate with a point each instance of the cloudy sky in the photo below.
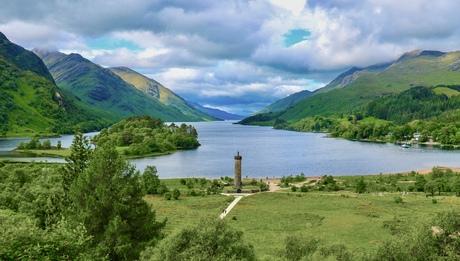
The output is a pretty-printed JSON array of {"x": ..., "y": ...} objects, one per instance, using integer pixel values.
[{"x": 237, "y": 55}]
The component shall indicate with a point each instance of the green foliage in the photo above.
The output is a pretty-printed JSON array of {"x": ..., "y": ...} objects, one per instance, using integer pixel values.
[
  {"x": 210, "y": 239},
  {"x": 144, "y": 135},
  {"x": 430, "y": 187},
  {"x": 361, "y": 185},
  {"x": 300, "y": 247},
  {"x": 176, "y": 194},
  {"x": 80, "y": 154},
  {"x": 419, "y": 183},
  {"x": 21, "y": 239},
  {"x": 304, "y": 188},
  {"x": 293, "y": 188},
  {"x": 151, "y": 183},
  {"x": 291, "y": 179},
  {"x": 398, "y": 200},
  {"x": 435, "y": 240},
  {"x": 107, "y": 199}
]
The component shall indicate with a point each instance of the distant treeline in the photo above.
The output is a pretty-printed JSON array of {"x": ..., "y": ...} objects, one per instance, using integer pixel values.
[{"x": 394, "y": 117}]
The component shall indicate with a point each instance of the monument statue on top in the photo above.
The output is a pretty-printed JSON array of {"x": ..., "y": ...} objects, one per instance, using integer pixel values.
[{"x": 238, "y": 159}]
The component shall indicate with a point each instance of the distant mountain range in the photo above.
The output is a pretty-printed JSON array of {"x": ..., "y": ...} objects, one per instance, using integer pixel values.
[
  {"x": 216, "y": 112},
  {"x": 357, "y": 86}
]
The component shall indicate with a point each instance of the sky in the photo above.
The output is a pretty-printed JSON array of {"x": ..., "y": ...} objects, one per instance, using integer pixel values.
[{"x": 235, "y": 55}]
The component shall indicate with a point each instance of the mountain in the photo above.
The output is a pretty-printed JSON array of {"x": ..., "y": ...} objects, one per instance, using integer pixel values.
[
  {"x": 161, "y": 93},
  {"x": 356, "y": 87},
  {"x": 220, "y": 114},
  {"x": 286, "y": 102},
  {"x": 100, "y": 88},
  {"x": 22, "y": 59},
  {"x": 30, "y": 102}
]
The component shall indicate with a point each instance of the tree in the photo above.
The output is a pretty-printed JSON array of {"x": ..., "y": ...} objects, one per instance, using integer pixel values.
[
  {"x": 80, "y": 153},
  {"x": 361, "y": 185},
  {"x": 46, "y": 144},
  {"x": 176, "y": 194},
  {"x": 211, "y": 239},
  {"x": 107, "y": 199},
  {"x": 441, "y": 184},
  {"x": 150, "y": 181},
  {"x": 21, "y": 239},
  {"x": 456, "y": 186},
  {"x": 419, "y": 183},
  {"x": 436, "y": 173},
  {"x": 431, "y": 187}
]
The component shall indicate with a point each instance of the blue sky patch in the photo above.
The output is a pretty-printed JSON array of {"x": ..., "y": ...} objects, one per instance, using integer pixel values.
[
  {"x": 295, "y": 36},
  {"x": 111, "y": 43}
]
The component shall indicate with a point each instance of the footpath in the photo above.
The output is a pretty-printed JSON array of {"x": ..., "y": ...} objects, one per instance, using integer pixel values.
[{"x": 234, "y": 202}]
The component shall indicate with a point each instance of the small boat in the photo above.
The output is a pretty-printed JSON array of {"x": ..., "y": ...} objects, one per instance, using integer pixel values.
[{"x": 405, "y": 145}]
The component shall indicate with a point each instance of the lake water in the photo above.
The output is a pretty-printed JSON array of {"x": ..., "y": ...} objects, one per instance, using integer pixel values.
[{"x": 267, "y": 152}]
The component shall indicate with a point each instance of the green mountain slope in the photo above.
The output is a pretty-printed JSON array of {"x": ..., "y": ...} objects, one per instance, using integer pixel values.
[
  {"x": 22, "y": 59},
  {"x": 286, "y": 102},
  {"x": 31, "y": 104},
  {"x": 100, "y": 88},
  {"x": 161, "y": 93},
  {"x": 417, "y": 68}
]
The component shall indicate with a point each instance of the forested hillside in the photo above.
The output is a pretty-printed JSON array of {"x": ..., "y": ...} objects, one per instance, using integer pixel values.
[{"x": 431, "y": 112}]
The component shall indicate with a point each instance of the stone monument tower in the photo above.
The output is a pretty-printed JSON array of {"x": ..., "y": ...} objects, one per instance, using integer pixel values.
[{"x": 238, "y": 159}]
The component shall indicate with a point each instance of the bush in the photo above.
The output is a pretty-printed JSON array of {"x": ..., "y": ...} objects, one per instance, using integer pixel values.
[
  {"x": 398, "y": 199},
  {"x": 434, "y": 201},
  {"x": 168, "y": 195},
  {"x": 304, "y": 188},
  {"x": 294, "y": 188},
  {"x": 176, "y": 194}
]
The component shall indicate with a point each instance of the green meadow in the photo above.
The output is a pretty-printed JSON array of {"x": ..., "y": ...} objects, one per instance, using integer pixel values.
[{"x": 361, "y": 222}]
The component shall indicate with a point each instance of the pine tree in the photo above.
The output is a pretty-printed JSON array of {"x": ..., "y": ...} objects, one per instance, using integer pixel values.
[
  {"x": 77, "y": 161},
  {"x": 107, "y": 199}
]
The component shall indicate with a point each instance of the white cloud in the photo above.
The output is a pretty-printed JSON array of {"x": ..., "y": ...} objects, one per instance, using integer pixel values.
[{"x": 230, "y": 53}]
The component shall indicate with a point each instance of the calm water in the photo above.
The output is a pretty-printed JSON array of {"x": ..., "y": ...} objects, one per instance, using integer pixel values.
[{"x": 267, "y": 152}]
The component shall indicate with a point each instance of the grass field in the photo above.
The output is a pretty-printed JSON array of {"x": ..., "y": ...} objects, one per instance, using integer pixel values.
[{"x": 358, "y": 221}]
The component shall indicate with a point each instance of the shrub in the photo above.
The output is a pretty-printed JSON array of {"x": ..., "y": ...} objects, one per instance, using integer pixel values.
[
  {"x": 176, "y": 194},
  {"x": 294, "y": 188},
  {"x": 434, "y": 201},
  {"x": 168, "y": 195},
  {"x": 304, "y": 188},
  {"x": 398, "y": 199}
]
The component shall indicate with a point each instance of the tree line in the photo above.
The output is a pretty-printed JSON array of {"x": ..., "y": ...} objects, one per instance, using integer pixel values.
[
  {"x": 395, "y": 117},
  {"x": 143, "y": 135}
]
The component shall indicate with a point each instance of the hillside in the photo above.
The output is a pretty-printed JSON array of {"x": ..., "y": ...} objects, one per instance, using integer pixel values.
[
  {"x": 286, "y": 102},
  {"x": 31, "y": 104},
  {"x": 100, "y": 88},
  {"x": 220, "y": 114},
  {"x": 417, "y": 68},
  {"x": 22, "y": 59},
  {"x": 161, "y": 93}
]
